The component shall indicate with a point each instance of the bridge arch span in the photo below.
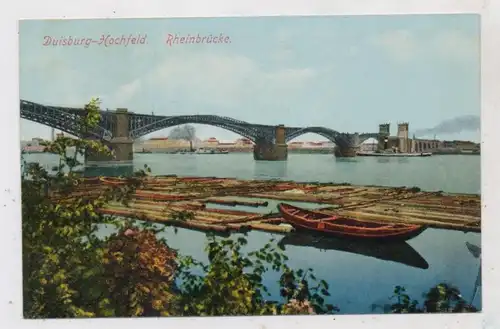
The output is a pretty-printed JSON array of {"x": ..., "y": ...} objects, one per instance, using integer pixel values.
[
  {"x": 340, "y": 139},
  {"x": 60, "y": 118},
  {"x": 241, "y": 128},
  {"x": 330, "y": 134}
]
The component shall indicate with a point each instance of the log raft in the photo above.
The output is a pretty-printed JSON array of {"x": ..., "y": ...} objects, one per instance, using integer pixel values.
[{"x": 160, "y": 198}]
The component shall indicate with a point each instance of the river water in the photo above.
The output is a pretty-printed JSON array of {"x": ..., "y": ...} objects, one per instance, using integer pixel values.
[{"x": 359, "y": 275}]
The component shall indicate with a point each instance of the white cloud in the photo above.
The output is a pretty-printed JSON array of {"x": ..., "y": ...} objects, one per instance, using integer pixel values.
[
  {"x": 217, "y": 79},
  {"x": 124, "y": 93},
  {"x": 289, "y": 78},
  {"x": 352, "y": 51},
  {"x": 403, "y": 45},
  {"x": 400, "y": 44},
  {"x": 283, "y": 38},
  {"x": 456, "y": 45},
  {"x": 283, "y": 55}
]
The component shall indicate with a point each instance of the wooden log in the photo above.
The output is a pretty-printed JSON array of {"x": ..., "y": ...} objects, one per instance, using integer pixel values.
[
  {"x": 158, "y": 194},
  {"x": 177, "y": 223},
  {"x": 408, "y": 220},
  {"x": 268, "y": 225},
  {"x": 232, "y": 202},
  {"x": 439, "y": 216},
  {"x": 261, "y": 227}
]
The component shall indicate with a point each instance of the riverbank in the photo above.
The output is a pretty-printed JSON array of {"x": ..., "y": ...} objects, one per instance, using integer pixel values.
[
  {"x": 196, "y": 199},
  {"x": 291, "y": 150}
]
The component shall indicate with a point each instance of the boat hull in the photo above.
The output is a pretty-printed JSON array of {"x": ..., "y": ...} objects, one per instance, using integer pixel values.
[
  {"x": 323, "y": 224},
  {"x": 393, "y": 155}
]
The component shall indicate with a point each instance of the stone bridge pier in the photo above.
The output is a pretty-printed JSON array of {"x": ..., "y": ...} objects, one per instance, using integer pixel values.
[
  {"x": 121, "y": 144},
  {"x": 277, "y": 150},
  {"x": 347, "y": 146}
]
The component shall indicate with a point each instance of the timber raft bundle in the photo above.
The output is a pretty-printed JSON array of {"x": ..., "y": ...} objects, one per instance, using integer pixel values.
[{"x": 162, "y": 197}]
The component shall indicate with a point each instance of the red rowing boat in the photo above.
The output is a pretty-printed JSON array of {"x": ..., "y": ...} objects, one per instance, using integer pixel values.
[{"x": 318, "y": 222}]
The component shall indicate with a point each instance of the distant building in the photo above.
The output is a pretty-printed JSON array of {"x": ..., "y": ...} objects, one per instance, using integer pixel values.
[
  {"x": 403, "y": 144},
  {"x": 226, "y": 145},
  {"x": 243, "y": 142},
  {"x": 162, "y": 143},
  {"x": 296, "y": 145},
  {"x": 37, "y": 140},
  {"x": 460, "y": 146},
  {"x": 314, "y": 145},
  {"x": 426, "y": 145},
  {"x": 369, "y": 145},
  {"x": 212, "y": 142}
]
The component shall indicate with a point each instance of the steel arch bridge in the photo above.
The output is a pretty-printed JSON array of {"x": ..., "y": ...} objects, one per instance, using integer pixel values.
[{"x": 66, "y": 119}]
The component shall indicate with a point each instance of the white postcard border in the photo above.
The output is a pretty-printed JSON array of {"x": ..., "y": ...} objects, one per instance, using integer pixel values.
[{"x": 10, "y": 282}]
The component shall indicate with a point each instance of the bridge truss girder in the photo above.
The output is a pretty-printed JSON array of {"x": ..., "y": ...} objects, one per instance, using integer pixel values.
[
  {"x": 141, "y": 125},
  {"x": 340, "y": 139},
  {"x": 65, "y": 119}
]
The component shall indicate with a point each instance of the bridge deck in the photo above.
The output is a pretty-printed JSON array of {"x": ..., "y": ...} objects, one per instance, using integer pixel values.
[
  {"x": 137, "y": 125},
  {"x": 165, "y": 195}
]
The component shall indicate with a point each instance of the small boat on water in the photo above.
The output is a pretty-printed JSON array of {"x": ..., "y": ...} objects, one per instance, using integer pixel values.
[
  {"x": 144, "y": 151},
  {"x": 393, "y": 154},
  {"x": 210, "y": 151},
  {"x": 326, "y": 224}
]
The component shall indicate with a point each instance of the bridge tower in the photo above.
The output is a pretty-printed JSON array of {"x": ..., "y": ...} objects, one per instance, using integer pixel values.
[
  {"x": 276, "y": 150},
  {"x": 404, "y": 142},
  {"x": 384, "y": 132},
  {"x": 121, "y": 144}
]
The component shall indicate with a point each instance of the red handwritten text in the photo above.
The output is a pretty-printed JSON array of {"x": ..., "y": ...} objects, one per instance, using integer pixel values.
[
  {"x": 105, "y": 40},
  {"x": 175, "y": 39}
]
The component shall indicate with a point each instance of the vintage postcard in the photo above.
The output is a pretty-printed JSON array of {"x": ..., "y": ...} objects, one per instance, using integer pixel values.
[{"x": 250, "y": 166}]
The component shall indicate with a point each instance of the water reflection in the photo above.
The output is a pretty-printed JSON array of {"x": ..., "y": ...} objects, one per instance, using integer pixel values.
[
  {"x": 346, "y": 159},
  {"x": 113, "y": 171},
  {"x": 399, "y": 252},
  {"x": 270, "y": 169},
  {"x": 475, "y": 250},
  {"x": 393, "y": 160}
]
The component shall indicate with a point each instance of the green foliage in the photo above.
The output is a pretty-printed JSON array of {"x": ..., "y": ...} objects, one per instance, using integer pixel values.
[
  {"x": 233, "y": 284},
  {"x": 182, "y": 215},
  {"x": 138, "y": 273},
  {"x": 443, "y": 298},
  {"x": 62, "y": 255}
]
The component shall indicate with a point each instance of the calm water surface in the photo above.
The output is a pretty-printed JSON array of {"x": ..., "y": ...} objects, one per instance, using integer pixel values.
[{"x": 356, "y": 279}]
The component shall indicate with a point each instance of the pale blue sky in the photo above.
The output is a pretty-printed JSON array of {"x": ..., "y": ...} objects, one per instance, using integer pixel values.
[{"x": 347, "y": 73}]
